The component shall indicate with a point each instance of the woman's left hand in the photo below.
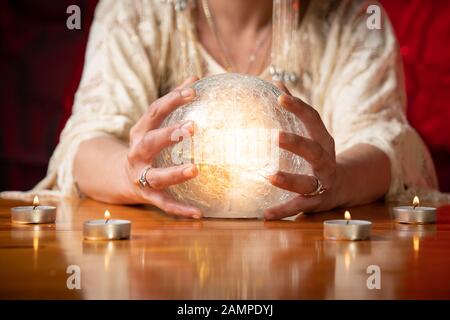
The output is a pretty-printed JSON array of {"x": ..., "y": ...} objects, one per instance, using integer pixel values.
[{"x": 319, "y": 151}]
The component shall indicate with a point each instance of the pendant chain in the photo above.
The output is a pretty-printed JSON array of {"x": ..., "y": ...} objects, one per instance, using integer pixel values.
[{"x": 223, "y": 48}]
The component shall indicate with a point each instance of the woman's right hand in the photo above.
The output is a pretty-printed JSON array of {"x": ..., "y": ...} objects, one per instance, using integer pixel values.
[{"x": 147, "y": 139}]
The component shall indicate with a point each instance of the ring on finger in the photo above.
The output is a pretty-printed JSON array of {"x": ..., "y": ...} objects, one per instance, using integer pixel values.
[
  {"x": 318, "y": 191},
  {"x": 143, "y": 177}
]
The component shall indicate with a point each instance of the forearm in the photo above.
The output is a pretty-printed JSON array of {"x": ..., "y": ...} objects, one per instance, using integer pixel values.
[
  {"x": 363, "y": 174},
  {"x": 100, "y": 171}
]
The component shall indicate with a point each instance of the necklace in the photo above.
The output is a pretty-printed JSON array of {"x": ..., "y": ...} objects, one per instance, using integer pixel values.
[{"x": 223, "y": 48}]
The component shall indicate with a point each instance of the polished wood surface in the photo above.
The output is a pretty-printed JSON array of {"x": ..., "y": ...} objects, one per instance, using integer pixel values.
[{"x": 169, "y": 258}]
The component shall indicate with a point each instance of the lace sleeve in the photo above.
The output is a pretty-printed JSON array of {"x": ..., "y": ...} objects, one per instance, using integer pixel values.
[{"x": 364, "y": 96}]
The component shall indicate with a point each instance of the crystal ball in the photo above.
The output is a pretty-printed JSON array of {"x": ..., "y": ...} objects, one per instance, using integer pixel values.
[{"x": 234, "y": 146}]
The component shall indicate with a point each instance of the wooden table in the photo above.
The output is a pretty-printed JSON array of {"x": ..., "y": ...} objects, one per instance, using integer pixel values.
[{"x": 169, "y": 258}]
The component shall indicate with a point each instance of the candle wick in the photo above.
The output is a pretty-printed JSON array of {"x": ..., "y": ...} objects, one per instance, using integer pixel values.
[
  {"x": 106, "y": 221},
  {"x": 348, "y": 221}
]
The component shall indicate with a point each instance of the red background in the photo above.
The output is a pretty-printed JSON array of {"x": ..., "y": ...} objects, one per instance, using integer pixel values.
[{"x": 41, "y": 63}]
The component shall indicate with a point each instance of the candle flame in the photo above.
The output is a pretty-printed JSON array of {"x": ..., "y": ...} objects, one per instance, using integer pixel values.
[
  {"x": 347, "y": 215},
  {"x": 107, "y": 216},
  {"x": 36, "y": 201},
  {"x": 416, "y": 201}
]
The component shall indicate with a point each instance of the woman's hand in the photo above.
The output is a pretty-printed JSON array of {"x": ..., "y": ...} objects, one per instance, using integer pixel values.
[
  {"x": 319, "y": 151},
  {"x": 147, "y": 139}
]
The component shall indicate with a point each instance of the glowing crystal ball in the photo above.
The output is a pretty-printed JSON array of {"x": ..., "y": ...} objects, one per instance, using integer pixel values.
[{"x": 234, "y": 146}]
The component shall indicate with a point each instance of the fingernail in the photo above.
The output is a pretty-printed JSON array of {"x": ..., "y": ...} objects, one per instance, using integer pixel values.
[
  {"x": 268, "y": 216},
  {"x": 188, "y": 92},
  {"x": 285, "y": 138},
  {"x": 190, "y": 171},
  {"x": 277, "y": 178},
  {"x": 285, "y": 98},
  {"x": 189, "y": 126}
]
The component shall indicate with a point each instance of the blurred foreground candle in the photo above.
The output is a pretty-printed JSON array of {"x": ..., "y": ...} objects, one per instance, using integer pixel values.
[
  {"x": 415, "y": 214},
  {"x": 34, "y": 214},
  {"x": 107, "y": 229},
  {"x": 346, "y": 229}
]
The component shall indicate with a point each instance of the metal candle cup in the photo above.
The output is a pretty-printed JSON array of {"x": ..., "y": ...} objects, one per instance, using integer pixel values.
[
  {"x": 341, "y": 230},
  {"x": 415, "y": 214},
  {"x": 347, "y": 229},
  {"x": 107, "y": 229},
  {"x": 35, "y": 214}
]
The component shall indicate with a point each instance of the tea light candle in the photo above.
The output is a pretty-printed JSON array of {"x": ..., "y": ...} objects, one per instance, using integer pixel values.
[
  {"x": 107, "y": 229},
  {"x": 33, "y": 214},
  {"x": 415, "y": 214},
  {"x": 346, "y": 229}
]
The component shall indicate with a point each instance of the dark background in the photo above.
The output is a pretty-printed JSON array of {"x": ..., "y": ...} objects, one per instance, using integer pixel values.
[{"x": 41, "y": 63}]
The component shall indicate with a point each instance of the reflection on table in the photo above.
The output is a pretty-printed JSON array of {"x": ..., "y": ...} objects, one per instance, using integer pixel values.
[{"x": 169, "y": 258}]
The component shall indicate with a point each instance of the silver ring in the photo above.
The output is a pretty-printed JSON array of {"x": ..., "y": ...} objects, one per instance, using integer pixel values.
[
  {"x": 318, "y": 191},
  {"x": 143, "y": 178}
]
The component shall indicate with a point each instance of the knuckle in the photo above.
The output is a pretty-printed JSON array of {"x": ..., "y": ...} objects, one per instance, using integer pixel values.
[
  {"x": 154, "y": 182},
  {"x": 133, "y": 142},
  {"x": 147, "y": 140},
  {"x": 317, "y": 153},
  {"x": 288, "y": 182},
  {"x": 301, "y": 106},
  {"x": 174, "y": 94},
  {"x": 177, "y": 93},
  {"x": 326, "y": 168},
  {"x": 292, "y": 138},
  {"x": 132, "y": 156},
  {"x": 144, "y": 148},
  {"x": 154, "y": 109},
  {"x": 332, "y": 143},
  {"x": 314, "y": 113},
  {"x": 286, "y": 138},
  {"x": 172, "y": 210}
]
